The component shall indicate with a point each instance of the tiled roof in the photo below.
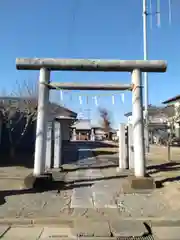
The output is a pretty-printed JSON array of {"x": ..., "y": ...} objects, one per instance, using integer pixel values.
[
  {"x": 54, "y": 109},
  {"x": 167, "y": 111},
  {"x": 85, "y": 124},
  {"x": 82, "y": 124}
]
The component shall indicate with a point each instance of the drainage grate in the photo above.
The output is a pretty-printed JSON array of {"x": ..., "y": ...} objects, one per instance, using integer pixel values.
[{"x": 150, "y": 237}]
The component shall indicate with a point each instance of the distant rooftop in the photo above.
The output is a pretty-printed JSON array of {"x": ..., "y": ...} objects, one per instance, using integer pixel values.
[
  {"x": 150, "y": 108},
  {"x": 85, "y": 124},
  {"x": 171, "y": 100},
  {"x": 82, "y": 124},
  {"x": 155, "y": 110}
]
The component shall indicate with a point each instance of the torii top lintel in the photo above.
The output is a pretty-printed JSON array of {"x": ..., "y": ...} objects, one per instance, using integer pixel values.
[{"x": 99, "y": 65}]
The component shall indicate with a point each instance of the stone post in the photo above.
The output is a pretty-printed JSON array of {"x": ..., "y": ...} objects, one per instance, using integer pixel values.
[
  {"x": 41, "y": 128},
  {"x": 92, "y": 134},
  {"x": 49, "y": 145},
  {"x": 57, "y": 145},
  {"x": 74, "y": 134},
  {"x": 130, "y": 146},
  {"x": 123, "y": 163}
]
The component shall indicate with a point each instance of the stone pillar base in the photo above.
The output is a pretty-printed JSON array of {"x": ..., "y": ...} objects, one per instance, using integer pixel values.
[
  {"x": 141, "y": 183},
  {"x": 42, "y": 182}
]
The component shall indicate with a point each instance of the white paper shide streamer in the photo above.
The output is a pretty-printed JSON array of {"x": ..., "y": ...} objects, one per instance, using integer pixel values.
[
  {"x": 113, "y": 100},
  {"x": 158, "y": 13},
  {"x": 95, "y": 100},
  {"x": 80, "y": 100},
  {"x": 170, "y": 12},
  {"x": 122, "y": 97},
  {"x": 61, "y": 95}
]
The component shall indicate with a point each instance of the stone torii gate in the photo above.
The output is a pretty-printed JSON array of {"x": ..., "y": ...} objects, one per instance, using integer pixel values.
[{"x": 46, "y": 65}]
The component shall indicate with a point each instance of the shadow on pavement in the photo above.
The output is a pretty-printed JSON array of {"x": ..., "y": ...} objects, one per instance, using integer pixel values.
[
  {"x": 70, "y": 154},
  {"x": 172, "y": 179},
  {"x": 20, "y": 160},
  {"x": 113, "y": 165},
  {"x": 93, "y": 144},
  {"x": 59, "y": 185},
  {"x": 164, "y": 167},
  {"x": 97, "y": 179},
  {"x": 99, "y": 153},
  {"x": 160, "y": 183},
  {"x": 53, "y": 186},
  {"x": 70, "y": 149}
]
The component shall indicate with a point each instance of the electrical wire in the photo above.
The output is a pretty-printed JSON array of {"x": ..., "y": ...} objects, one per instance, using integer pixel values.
[
  {"x": 72, "y": 27},
  {"x": 170, "y": 11}
]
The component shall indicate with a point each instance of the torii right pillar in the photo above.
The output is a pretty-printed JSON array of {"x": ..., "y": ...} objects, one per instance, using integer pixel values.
[
  {"x": 140, "y": 181},
  {"x": 138, "y": 126}
]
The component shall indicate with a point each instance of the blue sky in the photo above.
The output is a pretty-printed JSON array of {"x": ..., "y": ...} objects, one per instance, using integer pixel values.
[{"x": 88, "y": 29}]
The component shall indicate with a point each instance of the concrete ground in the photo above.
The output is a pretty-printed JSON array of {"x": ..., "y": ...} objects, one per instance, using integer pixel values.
[{"x": 93, "y": 192}]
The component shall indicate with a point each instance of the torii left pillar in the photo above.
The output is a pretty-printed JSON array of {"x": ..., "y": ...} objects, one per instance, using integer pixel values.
[{"x": 41, "y": 128}]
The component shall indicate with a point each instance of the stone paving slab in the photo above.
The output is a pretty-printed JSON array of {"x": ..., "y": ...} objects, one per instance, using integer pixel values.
[
  {"x": 87, "y": 213},
  {"x": 128, "y": 228},
  {"x": 91, "y": 229},
  {"x": 22, "y": 233},
  {"x": 95, "y": 173},
  {"x": 166, "y": 233},
  {"x": 96, "y": 238},
  {"x": 34, "y": 204},
  {"x": 82, "y": 198},
  {"x": 3, "y": 229},
  {"x": 139, "y": 205},
  {"x": 56, "y": 232},
  {"x": 108, "y": 213},
  {"x": 102, "y": 200}
]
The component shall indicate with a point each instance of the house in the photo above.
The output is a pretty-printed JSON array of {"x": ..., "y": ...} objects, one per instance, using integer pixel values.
[
  {"x": 174, "y": 120},
  {"x": 100, "y": 133},
  {"x": 14, "y": 107},
  {"x": 84, "y": 129},
  {"x": 65, "y": 116},
  {"x": 158, "y": 118}
]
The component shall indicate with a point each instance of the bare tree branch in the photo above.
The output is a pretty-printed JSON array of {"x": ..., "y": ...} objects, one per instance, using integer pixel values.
[
  {"x": 20, "y": 108},
  {"x": 21, "y": 105},
  {"x": 105, "y": 121}
]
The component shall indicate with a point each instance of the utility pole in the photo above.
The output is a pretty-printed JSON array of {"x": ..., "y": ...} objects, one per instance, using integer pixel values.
[
  {"x": 146, "y": 96},
  {"x": 157, "y": 13}
]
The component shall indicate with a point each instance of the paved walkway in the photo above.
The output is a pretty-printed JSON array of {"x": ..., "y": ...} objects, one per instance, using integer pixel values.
[
  {"x": 91, "y": 231},
  {"x": 95, "y": 195},
  {"x": 93, "y": 191}
]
